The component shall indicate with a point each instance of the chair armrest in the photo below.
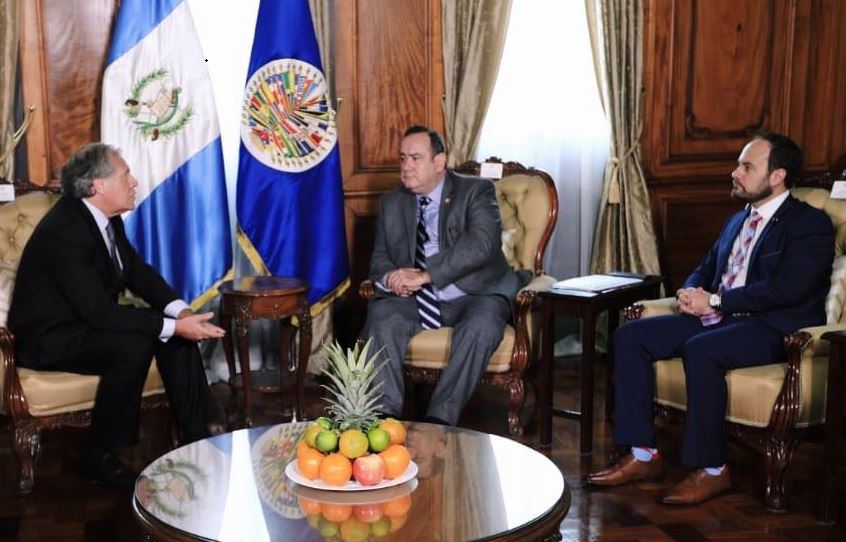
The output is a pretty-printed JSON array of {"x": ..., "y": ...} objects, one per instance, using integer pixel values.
[
  {"x": 651, "y": 307},
  {"x": 817, "y": 346},
  {"x": 803, "y": 344},
  {"x": 12, "y": 400},
  {"x": 130, "y": 300},
  {"x": 540, "y": 283},
  {"x": 367, "y": 289}
]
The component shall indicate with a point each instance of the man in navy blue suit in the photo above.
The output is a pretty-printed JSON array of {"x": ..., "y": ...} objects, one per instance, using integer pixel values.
[{"x": 765, "y": 277}]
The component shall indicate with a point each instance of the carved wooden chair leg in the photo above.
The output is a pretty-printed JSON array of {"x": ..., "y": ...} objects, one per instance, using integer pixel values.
[
  {"x": 27, "y": 438},
  {"x": 778, "y": 453},
  {"x": 516, "y": 398}
]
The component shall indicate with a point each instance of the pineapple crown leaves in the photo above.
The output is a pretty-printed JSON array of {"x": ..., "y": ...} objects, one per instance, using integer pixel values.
[{"x": 351, "y": 373}]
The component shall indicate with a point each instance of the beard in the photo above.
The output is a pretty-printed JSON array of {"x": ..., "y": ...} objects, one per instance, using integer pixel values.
[{"x": 738, "y": 194}]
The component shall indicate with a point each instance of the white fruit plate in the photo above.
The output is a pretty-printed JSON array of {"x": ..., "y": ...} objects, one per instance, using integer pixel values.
[{"x": 294, "y": 475}]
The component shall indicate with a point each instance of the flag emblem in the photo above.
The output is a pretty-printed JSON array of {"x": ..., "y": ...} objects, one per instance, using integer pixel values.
[
  {"x": 286, "y": 121},
  {"x": 154, "y": 109}
]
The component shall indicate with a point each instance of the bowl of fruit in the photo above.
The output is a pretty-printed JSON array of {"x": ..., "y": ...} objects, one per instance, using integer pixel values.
[{"x": 351, "y": 448}]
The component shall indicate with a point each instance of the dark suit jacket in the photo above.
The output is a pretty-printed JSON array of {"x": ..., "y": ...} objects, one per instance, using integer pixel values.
[
  {"x": 789, "y": 269},
  {"x": 67, "y": 287},
  {"x": 469, "y": 233}
]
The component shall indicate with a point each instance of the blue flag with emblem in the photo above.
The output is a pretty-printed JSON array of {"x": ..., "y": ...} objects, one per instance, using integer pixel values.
[
  {"x": 289, "y": 194},
  {"x": 158, "y": 108}
]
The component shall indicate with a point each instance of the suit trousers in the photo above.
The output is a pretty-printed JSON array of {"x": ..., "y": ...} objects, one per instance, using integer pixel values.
[
  {"x": 122, "y": 360},
  {"x": 707, "y": 353},
  {"x": 478, "y": 323}
]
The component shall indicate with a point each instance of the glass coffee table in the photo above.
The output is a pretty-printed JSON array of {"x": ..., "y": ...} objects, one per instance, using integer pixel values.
[{"x": 469, "y": 486}]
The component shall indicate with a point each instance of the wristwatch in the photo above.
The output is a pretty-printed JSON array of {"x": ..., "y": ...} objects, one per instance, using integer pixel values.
[{"x": 715, "y": 301}]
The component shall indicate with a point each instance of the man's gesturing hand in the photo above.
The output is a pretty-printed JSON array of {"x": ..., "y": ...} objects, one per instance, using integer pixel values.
[{"x": 196, "y": 327}]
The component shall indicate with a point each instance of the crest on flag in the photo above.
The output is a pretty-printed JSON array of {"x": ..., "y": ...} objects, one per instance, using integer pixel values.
[
  {"x": 155, "y": 109},
  {"x": 286, "y": 121}
]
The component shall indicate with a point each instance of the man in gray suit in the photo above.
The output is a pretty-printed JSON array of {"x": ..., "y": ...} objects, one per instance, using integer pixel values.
[{"x": 437, "y": 261}]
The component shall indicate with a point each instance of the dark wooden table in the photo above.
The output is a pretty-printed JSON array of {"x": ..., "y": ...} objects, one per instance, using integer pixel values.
[
  {"x": 278, "y": 298},
  {"x": 470, "y": 486},
  {"x": 587, "y": 306},
  {"x": 833, "y": 421}
]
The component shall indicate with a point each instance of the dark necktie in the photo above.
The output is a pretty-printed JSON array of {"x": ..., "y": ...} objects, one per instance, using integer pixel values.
[
  {"x": 427, "y": 303},
  {"x": 113, "y": 253}
]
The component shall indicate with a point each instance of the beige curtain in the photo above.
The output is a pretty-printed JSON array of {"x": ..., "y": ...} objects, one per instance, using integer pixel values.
[
  {"x": 473, "y": 38},
  {"x": 624, "y": 238},
  {"x": 8, "y": 66},
  {"x": 321, "y": 17}
]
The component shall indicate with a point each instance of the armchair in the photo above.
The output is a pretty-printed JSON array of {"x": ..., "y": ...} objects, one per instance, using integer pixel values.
[
  {"x": 772, "y": 406},
  {"x": 528, "y": 205},
  {"x": 37, "y": 400}
]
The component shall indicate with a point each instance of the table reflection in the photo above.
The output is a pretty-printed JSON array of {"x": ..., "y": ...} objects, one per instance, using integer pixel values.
[{"x": 469, "y": 486}]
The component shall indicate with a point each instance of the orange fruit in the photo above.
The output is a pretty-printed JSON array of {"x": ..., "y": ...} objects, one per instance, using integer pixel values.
[
  {"x": 336, "y": 512},
  {"x": 309, "y": 507},
  {"x": 398, "y": 507},
  {"x": 397, "y": 458},
  {"x": 301, "y": 448},
  {"x": 395, "y": 429},
  {"x": 353, "y": 443},
  {"x": 309, "y": 462},
  {"x": 335, "y": 470}
]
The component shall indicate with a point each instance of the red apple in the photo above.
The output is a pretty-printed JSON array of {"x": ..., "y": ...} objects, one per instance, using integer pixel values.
[
  {"x": 369, "y": 513},
  {"x": 368, "y": 470}
]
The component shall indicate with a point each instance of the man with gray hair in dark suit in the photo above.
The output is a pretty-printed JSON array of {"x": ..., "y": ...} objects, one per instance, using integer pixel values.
[
  {"x": 437, "y": 261},
  {"x": 66, "y": 316}
]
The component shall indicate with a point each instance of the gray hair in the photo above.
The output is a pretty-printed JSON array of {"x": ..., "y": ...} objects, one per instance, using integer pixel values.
[{"x": 93, "y": 161}]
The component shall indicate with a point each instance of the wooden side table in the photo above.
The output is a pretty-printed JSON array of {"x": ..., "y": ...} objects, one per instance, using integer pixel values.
[
  {"x": 588, "y": 306},
  {"x": 277, "y": 298},
  {"x": 833, "y": 422}
]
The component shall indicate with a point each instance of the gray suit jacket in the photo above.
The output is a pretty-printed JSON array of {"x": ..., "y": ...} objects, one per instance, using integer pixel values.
[{"x": 470, "y": 235}]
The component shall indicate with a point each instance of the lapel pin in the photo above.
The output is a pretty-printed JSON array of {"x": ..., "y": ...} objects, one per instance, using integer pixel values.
[{"x": 447, "y": 200}]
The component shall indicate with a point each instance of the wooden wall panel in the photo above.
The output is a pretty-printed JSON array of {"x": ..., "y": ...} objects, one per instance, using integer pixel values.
[
  {"x": 716, "y": 72},
  {"x": 65, "y": 46}
]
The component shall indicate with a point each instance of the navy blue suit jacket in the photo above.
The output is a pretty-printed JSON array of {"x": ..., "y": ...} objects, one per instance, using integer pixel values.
[{"x": 789, "y": 269}]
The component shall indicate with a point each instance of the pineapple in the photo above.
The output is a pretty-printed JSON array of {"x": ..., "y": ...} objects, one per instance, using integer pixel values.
[{"x": 356, "y": 400}]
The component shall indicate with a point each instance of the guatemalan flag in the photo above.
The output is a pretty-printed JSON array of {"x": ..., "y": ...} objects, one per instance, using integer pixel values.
[
  {"x": 289, "y": 195},
  {"x": 158, "y": 108}
]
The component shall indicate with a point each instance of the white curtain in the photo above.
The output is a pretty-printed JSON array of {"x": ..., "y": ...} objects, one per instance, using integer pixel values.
[{"x": 546, "y": 113}]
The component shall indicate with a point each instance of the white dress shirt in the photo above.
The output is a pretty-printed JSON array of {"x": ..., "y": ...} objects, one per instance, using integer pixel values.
[{"x": 766, "y": 210}]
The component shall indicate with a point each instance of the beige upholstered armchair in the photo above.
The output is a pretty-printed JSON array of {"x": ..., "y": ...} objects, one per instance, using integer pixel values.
[
  {"x": 36, "y": 400},
  {"x": 528, "y": 204},
  {"x": 770, "y": 406}
]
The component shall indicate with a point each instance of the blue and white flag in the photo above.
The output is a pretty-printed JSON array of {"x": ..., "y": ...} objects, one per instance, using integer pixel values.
[
  {"x": 158, "y": 108},
  {"x": 290, "y": 199}
]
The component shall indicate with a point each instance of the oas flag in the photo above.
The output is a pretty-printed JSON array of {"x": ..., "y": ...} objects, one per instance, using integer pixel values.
[{"x": 289, "y": 194}]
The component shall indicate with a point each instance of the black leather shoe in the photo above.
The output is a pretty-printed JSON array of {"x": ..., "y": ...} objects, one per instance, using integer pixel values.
[{"x": 104, "y": 468}]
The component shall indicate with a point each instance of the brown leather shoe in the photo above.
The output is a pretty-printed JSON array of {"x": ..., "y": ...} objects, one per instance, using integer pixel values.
[
  {"x": 697, "y": 487},
  {"x": 628, "y": 469}
]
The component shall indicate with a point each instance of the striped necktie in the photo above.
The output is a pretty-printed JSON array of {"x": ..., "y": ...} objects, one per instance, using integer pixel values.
[
  {"x": 427, "y": 303},
  {"x": 735, "y": 264}
]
